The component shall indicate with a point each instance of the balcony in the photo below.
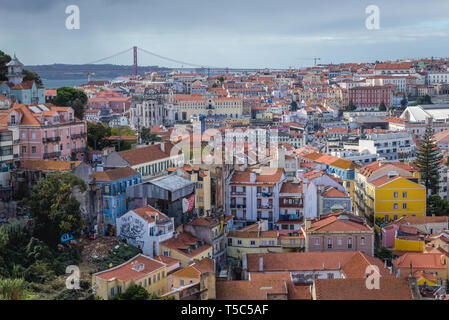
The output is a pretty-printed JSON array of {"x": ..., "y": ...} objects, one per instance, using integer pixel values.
[
  {"x": 52, "y": 155},
  {"x": 79, "y": 150},
  {"x": 264, "y": 194},
  {"x": 288, "y": 217},
  {"x": 264, "y": 206},
  {"x": 238, "y": 193},
  {"x": 78, "y": 135},
  {"x": 51, "y": 139}
]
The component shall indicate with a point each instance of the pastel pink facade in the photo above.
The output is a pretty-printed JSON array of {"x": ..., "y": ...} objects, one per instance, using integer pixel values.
[
  {"x": 48, "y": 132},
  {"x": 388, "y": 235}
]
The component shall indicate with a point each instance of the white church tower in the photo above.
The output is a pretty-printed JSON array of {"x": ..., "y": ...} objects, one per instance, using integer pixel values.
[{"x": 15, "y": 74}]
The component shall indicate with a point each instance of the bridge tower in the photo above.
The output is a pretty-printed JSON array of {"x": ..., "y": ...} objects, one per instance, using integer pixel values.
[{"x": 135, "y": 60}]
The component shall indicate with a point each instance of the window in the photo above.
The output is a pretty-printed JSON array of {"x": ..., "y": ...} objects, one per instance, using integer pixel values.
[
  {"x": 317, "y": 241},
  {"x": 395, "y": 194},
  {"x": 395, "y": 206},
  {"x": 158, "y": 276},
  {"x": 253, "y": 242},
  {"x": 145, "y": 283},
  {"x": 362, "y": 241},
  {"x": 119, "y": 289},
  {"x": 106, "y": 204},
  {"x": 112, "y": 292},
  {"x": 329, "y": 243},
  {"x": 33, "y": 149},
  {"x": 395, "y": 217},
  {"x": 404, "y": 194},
  {"x": 106, "y": 188},
  {"x": 163, "y": 274},
  {"x": 404, "y": 205},
  {"x": 239, "y": 242},
  {"x": 330, "y": 275},
  {"x": 154, "y": 279},
  {"x": 24, "y": 149},
  {"x": 181, "y": 282},
  {"x": 386, "y": 218},
  {"x": 271, "y": 242},
  {"x": 264, "y": 243},
  {"x": 229, "y": 241},
  {"x": 339, "y": 241},
  {"x": 349, "y": 243}
]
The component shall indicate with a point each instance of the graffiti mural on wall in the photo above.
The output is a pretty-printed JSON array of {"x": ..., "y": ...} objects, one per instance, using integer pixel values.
[{"x": 132, "y": 230}]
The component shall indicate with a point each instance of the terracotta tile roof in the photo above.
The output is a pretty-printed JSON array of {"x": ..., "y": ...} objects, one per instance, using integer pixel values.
[
  {"x": 134, "y": 269},
  {"x": 167, "y": 260},
  {"x": 336, "y": 223},
  {"x": 146, "y": 154},
  {"x": 421, "y": 261},
  {"x": 183, "y": 241},
  {"x": 343, "y": 164},
  {"x": 333, "y": 192},
  {"x": 115, "y": 174},
  {"x": 48, "y": 165},
  {"x": 290, "y": 187},
  {"x": 203, "y": 221},
  {"x": 149, "y": 213},
  {"x": 299, "y": 292},
  {"x": 267, "y": 175},
  {"x": 390, "y": 288},
  {"x": 258, "y": 287},
  {"x": 310, "y": 261}
]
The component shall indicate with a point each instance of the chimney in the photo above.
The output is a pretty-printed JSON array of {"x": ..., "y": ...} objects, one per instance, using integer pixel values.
[
  {"x": 162, "y": 145},
  {"x": 261, "y": 264}
]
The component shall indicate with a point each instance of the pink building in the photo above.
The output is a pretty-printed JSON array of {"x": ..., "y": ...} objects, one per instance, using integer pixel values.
[
  {"x": 47, "y": 131},
  {"x": 110, "y": 99}
]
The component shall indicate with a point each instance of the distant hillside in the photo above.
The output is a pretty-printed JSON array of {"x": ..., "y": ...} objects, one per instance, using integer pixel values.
[{"x": 78, "y": 71}]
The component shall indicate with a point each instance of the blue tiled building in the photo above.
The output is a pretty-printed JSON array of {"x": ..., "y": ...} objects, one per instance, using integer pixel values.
[{"x": 114, "y": 183}]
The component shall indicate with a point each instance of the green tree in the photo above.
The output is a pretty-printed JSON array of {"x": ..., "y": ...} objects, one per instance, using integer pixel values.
[
  {"x": 147, "y": 136},
  {"x": 55, "y": 209},
  {"x": 437, "y": 206},
  {"x": 383, "y": 254},
  {"x": 382, "y": 106},
  {"x": 404, "y": 102},
  {"x": 293, "y": 106},
  {"x": 350, "y": 106},
  {"x": 423, "y": 100},
  {"x": 134, "y": 292},
  {"x": 30, "y": 75},
  {"x": 97, "y": 134},
  {"x": 428, "y": 161},
  {"x": 71, "y": 97}
]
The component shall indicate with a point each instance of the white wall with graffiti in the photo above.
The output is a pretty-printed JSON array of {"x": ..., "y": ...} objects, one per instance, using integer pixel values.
[{"x": 143, "y": 234}]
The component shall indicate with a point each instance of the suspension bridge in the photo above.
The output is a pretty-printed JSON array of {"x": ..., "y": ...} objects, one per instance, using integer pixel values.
[{"x": 188, "y": 66}]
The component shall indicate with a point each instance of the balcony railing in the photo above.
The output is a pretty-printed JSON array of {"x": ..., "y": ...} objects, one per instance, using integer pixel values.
[
  {"x": 84, "y": 149},
  {"x": 78, "y": 135},
  {"x": 51, "y": 139},
  {"x": 51, "y": 155}
]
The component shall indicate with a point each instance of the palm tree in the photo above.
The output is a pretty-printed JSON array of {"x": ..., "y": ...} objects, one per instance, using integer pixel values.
[{"x": 11, "y": 289}]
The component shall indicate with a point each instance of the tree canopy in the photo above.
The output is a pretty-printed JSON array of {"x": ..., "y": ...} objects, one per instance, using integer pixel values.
[
  {"x": 71, "y": 97},
  {"x": 423, "y": 100},
  {"x": 97, "y": 134},
  {"x": 54, "y": 208},
  {"x": 382, "y": 106},
  {"x": 147, "y": 136},
  {"x": 350, "y": 106},
  {"x": 429, "y": 161}
]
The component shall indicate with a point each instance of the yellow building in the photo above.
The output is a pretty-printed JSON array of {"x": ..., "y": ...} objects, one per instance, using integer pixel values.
[
  {"x": 409, "y": 244},
  {"x": 203, "y": 191},
  {"x": 391, "y": 197},
  {"x": 140, "y": 270},
  {"x": 202, "y": 273},
  {"x": 185, "y": 248}
]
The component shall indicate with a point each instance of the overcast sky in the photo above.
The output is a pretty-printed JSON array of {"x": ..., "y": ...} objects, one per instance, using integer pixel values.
[{"x": 225, "y": 33}]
